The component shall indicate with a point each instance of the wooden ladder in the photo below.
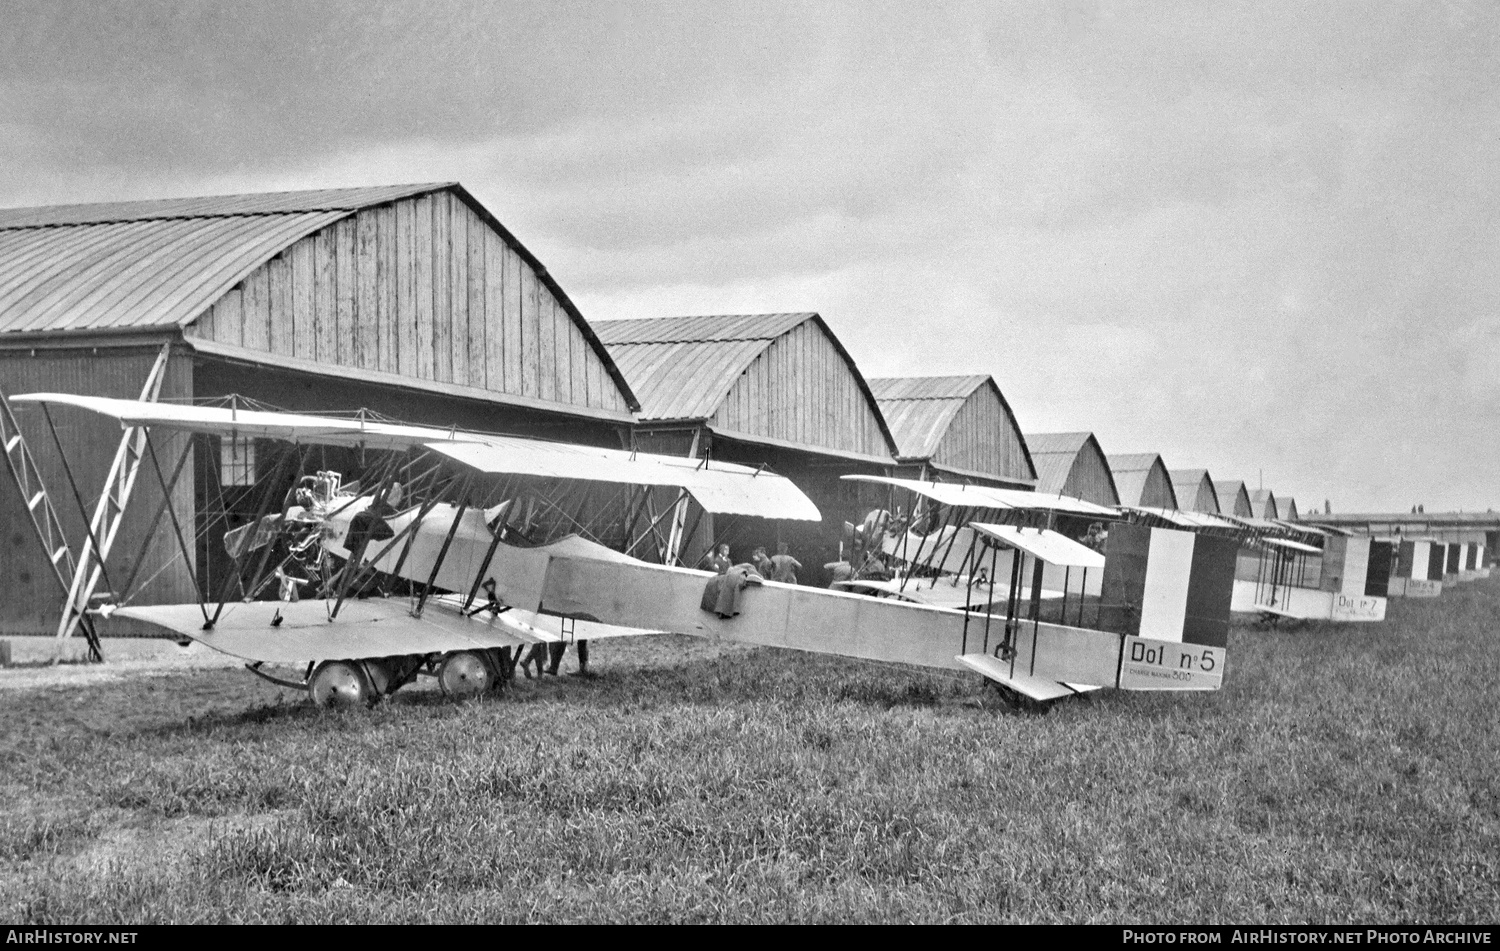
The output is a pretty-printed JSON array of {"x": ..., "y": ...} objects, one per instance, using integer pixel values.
[
  {"x": 109, "y": 514},
  {"x": 45, "y": 523}
]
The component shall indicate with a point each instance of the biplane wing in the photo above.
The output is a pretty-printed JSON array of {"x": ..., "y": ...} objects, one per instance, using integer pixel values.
[
  {"x": 1287, "y": 544},
  {"x": 295, "y": 632},
  {"x": 720, "y": 487},
  {"x": 1051, "y": 547},
  {"x": 300, "y": 632},
  {"x": 1185, "y": 519},
  {"x": 962, "y": 496},
  {"x": 1034, "y": 688}
]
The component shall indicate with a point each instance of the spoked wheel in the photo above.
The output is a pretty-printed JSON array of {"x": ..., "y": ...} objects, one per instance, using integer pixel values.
[
  {"x": 464, "y": 674},
  {"x": 341, "y": 683}
]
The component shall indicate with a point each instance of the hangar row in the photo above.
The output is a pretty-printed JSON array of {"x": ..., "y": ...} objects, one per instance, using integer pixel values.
[{"x": 415, "y": 302}]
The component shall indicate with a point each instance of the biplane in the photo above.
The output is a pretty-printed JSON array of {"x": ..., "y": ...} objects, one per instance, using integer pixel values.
[
  {"x": 1153, "y": 603},
  {"x": 1465, "y": 561},
  {"x": 1301, "y": 573},
  {"x": 1417, "y": 571},
  {"x": 1476, "y": 565},
  {"x": 454, "y": 550}
]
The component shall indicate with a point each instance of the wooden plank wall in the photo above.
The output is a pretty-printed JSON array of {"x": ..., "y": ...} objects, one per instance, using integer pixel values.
[
  {"x": 1157, "y": 492},
  {"x": 1089, "y": 478},
  {"x": 801, "y": 390},
  {"x": 983, "y": 438},
  {"x": 423, "y": 288},
  {"x": 31, "y": 601},
  {"x": 1206, "y": 500}
]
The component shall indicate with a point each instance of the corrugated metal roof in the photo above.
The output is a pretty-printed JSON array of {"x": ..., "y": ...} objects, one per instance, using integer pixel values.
[
  {"x": 705, "y": 329},
  {"x": 684, "y": 380},
  {"x": 919, "y": 425},
  {"x": 1132, "y": 461},
  {"x": 682, "y": 368},
  {"x": 135, "y": 274},
  {"x": 919, "y": 409},
  {"x": 926, "y": 387},
  {"x": 211, "y": 206},
  {"x": 1052, "y": 469},
  {"x": 1054, "y": 455},
  {"x": 1069, "y": 443},
  {"x": 153, "y": 264},
  {"x": 144, "y": 265},
  {"x": 1189, "y": 475}
]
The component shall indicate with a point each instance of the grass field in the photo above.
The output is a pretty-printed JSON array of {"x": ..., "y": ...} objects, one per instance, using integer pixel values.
[{"x": 1343, "y": 775}]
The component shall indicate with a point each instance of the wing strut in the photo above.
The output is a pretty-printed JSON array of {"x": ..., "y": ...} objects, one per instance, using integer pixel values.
[
  {"x": 675, "y": 537},
  {"x": 353, "y": 568},
  {"x": 110, "y": 512},
  {"x": 167, "y": 486},
  {"x": 442, "y": 555}
]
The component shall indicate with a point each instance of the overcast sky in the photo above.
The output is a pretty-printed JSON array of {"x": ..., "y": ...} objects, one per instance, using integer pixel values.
[{"x": 1253, "y": 237}]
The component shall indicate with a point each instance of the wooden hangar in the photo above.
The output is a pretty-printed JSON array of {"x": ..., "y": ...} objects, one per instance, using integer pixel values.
[
  {"x": 1234, "y": 499},
  {"x": 1263, "y": 504},
  {"x": 1194, "y": 489},
  {"x": 1142, "y": 479},
  {"x": 1072, "y": 464},
  {"x": 409, "y": 301},
  {"x": 777, "y": 390},
  {"x": 955, "y": 429}
]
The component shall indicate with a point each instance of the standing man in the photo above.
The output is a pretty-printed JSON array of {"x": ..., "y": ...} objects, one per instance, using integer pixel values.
[
  {"x": 1095, "y": 537},
  {"x": 783, "y": 566},
  {"x": 557, "y": 649},
  {"x": 762, "y": 562},
  {"x": 717, "y": 560}
]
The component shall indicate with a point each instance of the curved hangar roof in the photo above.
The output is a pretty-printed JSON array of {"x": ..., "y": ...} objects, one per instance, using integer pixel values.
[
  {"x": 778, "y": 379},
  {"x": 959, "y": 425},
  {"x": 1142, "y": 479},
  {"x": 1073, "y": 464},
  {"x": 1234, "y": 499},
  {"x": 1195, "y": 491},
  {"x": 1263, "y": 503},
  {"x": 409, "y": 285}
]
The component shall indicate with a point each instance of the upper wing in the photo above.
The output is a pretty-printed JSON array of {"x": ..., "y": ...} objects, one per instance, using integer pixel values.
[
  {"x": 988, "y": 497},
  {"x": 1186, "y": 519},
  {"x": 244, "y": 423},
  {"x": 720, "y": 487},
  {"x": 1045, "y": 544}
]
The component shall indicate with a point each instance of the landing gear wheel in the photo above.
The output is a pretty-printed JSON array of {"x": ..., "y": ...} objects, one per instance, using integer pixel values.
[
  {"x": 341, "y": 683},
  {"x": 1014, "y": 700},
  {"x": 465, "y": 674}
]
